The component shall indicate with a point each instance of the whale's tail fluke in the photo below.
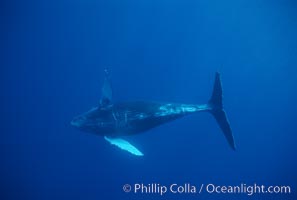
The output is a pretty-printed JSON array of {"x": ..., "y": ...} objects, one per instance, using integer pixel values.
[{"x": 216, "y": 109}]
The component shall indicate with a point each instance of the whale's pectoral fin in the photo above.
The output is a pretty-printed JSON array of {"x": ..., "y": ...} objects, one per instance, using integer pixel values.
[
  {"x": 124, "y": 145},
  {"x": 106, "y": 97}
]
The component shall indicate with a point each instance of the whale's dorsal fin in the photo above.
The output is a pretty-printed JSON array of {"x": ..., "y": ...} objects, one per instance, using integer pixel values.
[
  {"x": 106, "y": 97},
  {"x": 124, "y": 145}
]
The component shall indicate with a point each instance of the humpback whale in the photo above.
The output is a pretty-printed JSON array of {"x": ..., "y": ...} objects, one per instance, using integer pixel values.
[{"x": 113, "y": 120}]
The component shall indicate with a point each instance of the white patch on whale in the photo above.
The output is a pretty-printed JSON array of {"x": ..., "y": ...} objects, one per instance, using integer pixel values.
[{"x": 124, "y": 145}]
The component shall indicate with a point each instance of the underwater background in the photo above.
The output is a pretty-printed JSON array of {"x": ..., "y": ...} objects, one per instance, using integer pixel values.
[{"x": 53, "y": 54}]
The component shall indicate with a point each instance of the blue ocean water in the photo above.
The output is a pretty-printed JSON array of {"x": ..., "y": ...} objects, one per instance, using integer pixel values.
[{"x": 53, "y": 54}]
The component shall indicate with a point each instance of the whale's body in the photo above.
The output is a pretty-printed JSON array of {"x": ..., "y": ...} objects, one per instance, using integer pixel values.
[
  {"x": 113, "y": 120},
  {"x": 128, "y": 118}
]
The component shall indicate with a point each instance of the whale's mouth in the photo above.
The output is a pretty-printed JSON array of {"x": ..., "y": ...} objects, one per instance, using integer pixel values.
[
  {"x": 74, "y": 123},
  {"x": 77, "y": 122}
]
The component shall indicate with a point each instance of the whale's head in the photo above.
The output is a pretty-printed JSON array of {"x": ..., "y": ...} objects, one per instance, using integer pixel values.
[
  {"x": 96, "y": 120},
  {"x": 79, "y": 121}
]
